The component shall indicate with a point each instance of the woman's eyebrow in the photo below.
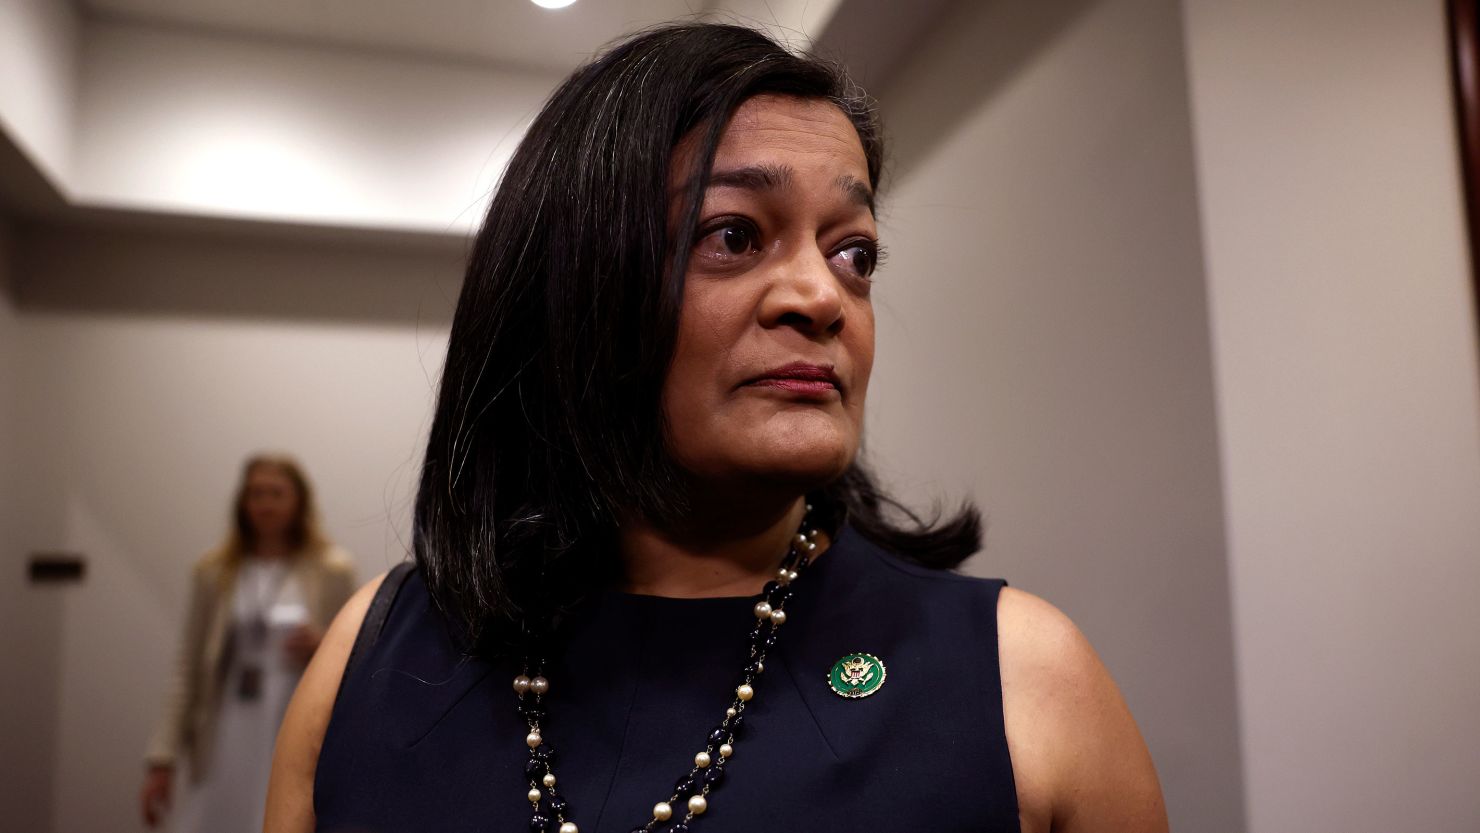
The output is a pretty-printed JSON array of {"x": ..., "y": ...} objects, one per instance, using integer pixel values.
[
  {"x": 858, "y": 191},
  {"x": 753, "y": 178},
  {"x": 778, "y": 177}
]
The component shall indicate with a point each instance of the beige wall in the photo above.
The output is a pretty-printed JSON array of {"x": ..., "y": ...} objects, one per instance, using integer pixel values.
[
  {"x": 1043, "y": 345},
  {"x": 152, "y": 365},
  {"x": 38, "y": 80},
  {"x": 29, "y": 618},
  {"x": 177, "y": 120},
  {"x": 1347, "y": 383}
]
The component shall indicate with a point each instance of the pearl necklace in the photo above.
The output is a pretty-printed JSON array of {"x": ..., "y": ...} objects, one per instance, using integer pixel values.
[{"x": 551, "y": 810}]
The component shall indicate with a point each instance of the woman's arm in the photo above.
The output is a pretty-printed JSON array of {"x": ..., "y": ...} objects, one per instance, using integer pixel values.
[
  {"x": 164, "y": 745},
  {"x": 342, "y": 580},
  {"x": 1077, "y": 756},
  {"x": 290, "y": 791},
  {"x": 338, "y": 586}
]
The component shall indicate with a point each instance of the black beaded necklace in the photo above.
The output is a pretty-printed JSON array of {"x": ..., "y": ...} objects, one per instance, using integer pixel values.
[{"x": 552, "y": 812}]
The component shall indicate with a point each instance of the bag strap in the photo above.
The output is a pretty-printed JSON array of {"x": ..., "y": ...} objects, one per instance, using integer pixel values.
[{"x": 374, "y": 622}]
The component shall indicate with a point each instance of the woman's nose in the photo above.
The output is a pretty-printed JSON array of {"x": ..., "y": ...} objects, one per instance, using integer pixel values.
[{"x": 804, "y": 294}]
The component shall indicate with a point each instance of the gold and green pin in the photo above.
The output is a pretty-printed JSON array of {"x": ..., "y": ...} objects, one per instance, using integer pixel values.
[{"x": 857, "y": 675}]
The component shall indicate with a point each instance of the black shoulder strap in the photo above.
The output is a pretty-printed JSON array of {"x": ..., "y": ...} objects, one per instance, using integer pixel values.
[{"x": 374, "y": 622}]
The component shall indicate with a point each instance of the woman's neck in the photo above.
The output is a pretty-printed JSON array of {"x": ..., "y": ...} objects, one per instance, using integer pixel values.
[
  {"x": 703, "y": 559},
  {"x": 272, "y": 547}
]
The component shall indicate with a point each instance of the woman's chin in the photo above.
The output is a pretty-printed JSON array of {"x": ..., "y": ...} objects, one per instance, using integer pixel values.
[
  {"x": 786, "y": 454},
  {"x": 808, "y": 462}
]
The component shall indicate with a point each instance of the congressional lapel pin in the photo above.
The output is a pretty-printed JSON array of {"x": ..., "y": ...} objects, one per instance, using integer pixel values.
[{"x": 856, "y": 675}]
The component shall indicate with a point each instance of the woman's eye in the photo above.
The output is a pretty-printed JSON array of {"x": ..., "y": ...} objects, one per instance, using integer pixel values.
[
  {"x": 736, "y": 239},
  {"x": 728, "y": 241},
  {"x": 859, "y": 258}
]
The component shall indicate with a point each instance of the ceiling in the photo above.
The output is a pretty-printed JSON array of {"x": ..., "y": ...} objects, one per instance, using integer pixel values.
[{"x": 509, "y": 32}]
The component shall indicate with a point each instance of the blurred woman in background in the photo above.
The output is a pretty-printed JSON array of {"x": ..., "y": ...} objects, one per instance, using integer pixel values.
[{"x": 259, "y": 606}]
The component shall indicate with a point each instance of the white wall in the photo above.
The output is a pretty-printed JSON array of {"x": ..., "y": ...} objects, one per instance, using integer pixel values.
[
  {"x": 183, "y": 122},
  {"x": 1043, "y": 345},
  {"x": 143, "y": 396},
  {"x": 38, "y": 57},
  {"x": 1347, "y": 385},
  {"x": 169, "y": 120},
  {"x": 794, "y": 22}
]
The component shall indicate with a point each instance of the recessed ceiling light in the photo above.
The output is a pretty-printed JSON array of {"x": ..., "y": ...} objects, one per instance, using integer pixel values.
[{"x": 552, "y": 4}]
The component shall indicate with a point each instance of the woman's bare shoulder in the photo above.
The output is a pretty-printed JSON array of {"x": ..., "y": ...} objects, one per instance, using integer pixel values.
[
  {"x": 290, "y": 791},
  {"x": 1078, "y": 757}
]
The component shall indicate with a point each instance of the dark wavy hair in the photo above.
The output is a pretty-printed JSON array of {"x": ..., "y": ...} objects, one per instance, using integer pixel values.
[{"x": 548, "y": 426}]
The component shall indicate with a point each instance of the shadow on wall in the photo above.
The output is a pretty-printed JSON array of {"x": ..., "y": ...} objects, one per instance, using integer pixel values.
[
  {"x": 31, "y": 618},
  {"x": 352, "y": 278},
  {"x": 967, "y": 71},
  {"x": 31, "y": 643}
]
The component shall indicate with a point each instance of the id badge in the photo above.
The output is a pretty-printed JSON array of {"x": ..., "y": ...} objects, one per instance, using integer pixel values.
[
  {"x": 249, "y": 683},
  {"x": 256, "y": 633}
]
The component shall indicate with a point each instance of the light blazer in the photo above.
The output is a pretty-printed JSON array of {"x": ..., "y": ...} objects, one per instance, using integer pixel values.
[{"x": 189, "y": 722}]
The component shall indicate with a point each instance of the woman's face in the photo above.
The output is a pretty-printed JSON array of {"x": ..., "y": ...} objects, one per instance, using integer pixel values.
[
  {"x": 776, "y": 337},
  {"x": 271, "y": 501}
]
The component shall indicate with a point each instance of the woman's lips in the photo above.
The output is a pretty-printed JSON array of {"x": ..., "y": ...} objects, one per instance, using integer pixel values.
[
  {"x": 812, "y": 381},
  {"x": 801, "y": 387}
]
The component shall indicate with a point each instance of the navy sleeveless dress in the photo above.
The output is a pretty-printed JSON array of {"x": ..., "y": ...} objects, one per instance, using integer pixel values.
[{"x": 426, "y": 740}]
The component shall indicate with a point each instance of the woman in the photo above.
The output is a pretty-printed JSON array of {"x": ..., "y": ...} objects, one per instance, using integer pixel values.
[
  {"x": 259, "y": 607},
  {"x": 648, "y": 560}
]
